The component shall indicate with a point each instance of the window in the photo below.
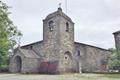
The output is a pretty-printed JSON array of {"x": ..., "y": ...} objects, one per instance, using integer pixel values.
[
  {"x": 65, "y": 57},
  {"x": 51, "y": 25},
  {"x": 68, "y": 55},
  {"x": 31, "y": 47},
  {"x": 78, "y": 53},
  {"x": 67, "y": 27}
]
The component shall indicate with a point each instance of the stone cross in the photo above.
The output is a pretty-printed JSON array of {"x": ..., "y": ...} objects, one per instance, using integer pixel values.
[{"x": 60, "y": 5}]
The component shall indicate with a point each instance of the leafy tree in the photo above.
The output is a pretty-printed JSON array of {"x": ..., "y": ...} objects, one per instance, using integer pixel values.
[
  {"x": 8, "y": 34},
  {"x": 114, "y": 61}
]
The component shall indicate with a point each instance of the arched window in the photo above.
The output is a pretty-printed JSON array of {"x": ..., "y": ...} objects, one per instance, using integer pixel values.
[
  {"x": 51, "y": 25},
  {"x": 68, "y": 55},
  {"x": 67, "y": 27}
]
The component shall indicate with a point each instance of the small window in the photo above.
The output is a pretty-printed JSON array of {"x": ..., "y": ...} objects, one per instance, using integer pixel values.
[
  {"x": 65, "y": 57},
  {"x": 68, "y": 55},
  {"x": 67, "y": 27},
  {"x": 51, "y": 25},
  {"x": 31, "y": 47},
  {"x": 78, "y": 53}
]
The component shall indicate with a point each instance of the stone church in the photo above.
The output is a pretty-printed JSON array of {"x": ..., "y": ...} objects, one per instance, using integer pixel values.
[{"x": 58, "y": 52}]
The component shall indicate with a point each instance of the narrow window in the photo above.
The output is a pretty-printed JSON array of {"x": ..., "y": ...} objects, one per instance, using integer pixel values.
[
  {"x": 31, "y": 47},
  {"x": 51, "y": 25},
  {"x": 78, "y": 53},
  {"x": 67, "y": 27}
]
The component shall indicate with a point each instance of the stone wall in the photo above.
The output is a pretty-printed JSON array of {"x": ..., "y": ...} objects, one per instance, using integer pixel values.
[
  {"x": 59, "y": 43},
  {"x": 66, "y": 46},
  {"x": 117, "y": 40},
  {"x": 28, "y": 65},
  {"x": 92, "y": 59},
  {"x": 51, "y": 39},
  {"x": 12, "y": 64}
]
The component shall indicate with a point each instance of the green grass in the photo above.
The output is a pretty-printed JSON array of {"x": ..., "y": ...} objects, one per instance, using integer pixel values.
[
  {"x": 83, "y": 76},
  {"x": 89, "y": 77},
  {"x": 96, "y": 76}
]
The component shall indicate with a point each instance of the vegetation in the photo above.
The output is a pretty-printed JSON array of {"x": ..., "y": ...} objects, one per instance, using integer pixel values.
[
  {"x": 61, "y": 77},
  {"x": 114, "y": 61},
  {"x": 8, "y": 35}
]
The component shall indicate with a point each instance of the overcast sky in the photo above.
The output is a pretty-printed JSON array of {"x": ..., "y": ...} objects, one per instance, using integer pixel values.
[{"x": 95, "y": 20}]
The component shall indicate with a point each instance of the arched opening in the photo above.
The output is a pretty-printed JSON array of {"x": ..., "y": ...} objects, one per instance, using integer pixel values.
[
  {"x": 51, "y": 25},
  {"x": 18, "y": 62},
  {"x": 67, "y": 27},
  {"x": 68, "y": 61},
  {"x": 68, "y": 55}
]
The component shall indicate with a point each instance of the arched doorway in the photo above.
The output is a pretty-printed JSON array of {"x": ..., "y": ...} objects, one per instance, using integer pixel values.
[
  {"x": 68, "y": 61},
  {"x": 18, "y": 63}
]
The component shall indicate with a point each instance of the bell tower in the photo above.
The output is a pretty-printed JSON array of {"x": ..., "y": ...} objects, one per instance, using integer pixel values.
[{"x": 58, "y": 39}]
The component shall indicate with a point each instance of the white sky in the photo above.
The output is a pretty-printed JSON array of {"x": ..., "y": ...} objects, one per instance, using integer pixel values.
[{"x": 95, "y": 20}]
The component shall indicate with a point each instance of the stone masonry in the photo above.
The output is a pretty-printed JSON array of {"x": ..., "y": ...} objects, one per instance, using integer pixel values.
[{"x": 58, "y": 52}]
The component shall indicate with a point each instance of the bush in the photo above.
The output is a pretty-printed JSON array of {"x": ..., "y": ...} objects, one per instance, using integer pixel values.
[
  {"x": 4, "y": 68},
  {"x": 114, "y": 61}
]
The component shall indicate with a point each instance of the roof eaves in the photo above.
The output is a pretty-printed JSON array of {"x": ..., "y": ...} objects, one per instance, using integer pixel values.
[{"x": 92, "y": 46}]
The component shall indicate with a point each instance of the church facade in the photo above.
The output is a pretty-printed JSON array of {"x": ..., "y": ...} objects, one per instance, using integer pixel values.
[{"x": 58, "y": 52}]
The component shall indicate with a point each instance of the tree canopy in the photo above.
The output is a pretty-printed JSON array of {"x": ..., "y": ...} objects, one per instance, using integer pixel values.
[
  {"x": 8, "y": 33},
  {"x": 114, "y": 61}
]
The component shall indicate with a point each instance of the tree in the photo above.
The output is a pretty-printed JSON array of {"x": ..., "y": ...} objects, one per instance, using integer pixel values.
[
  {"x": 114, "y": 61},
  {"x": 8, "y": 34}
]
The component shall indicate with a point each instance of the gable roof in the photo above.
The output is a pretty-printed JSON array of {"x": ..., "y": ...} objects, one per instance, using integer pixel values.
[{"x": 29, "y": 53}]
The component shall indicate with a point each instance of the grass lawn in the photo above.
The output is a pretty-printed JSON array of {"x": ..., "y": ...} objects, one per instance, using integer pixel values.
[{"x": 60, "y": 77}]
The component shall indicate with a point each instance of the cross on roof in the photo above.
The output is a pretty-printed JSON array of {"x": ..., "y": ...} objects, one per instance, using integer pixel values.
[{"x": 60, "y": 5}]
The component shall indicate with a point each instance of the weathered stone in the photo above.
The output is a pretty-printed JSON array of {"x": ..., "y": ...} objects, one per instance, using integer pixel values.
[
  {"x": 117, "y": 39},
  {"x": 58, "y": 46}
]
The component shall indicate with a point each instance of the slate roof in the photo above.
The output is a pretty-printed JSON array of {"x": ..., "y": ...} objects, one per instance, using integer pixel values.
[
  {"x": 74, "y": 42},
  {"x": 91, "y": 46},
  {"x": 29, "y": 53},
  {"x": 32, "y": 44}
]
